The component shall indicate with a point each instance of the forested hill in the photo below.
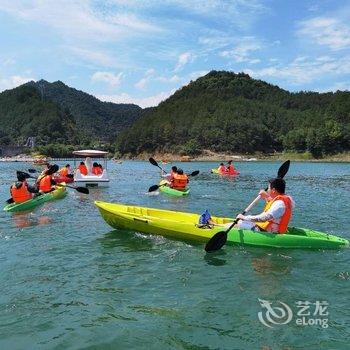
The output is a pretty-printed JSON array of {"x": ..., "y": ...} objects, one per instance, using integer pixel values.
[
  {"x": 24, "y": 114},
  {"x": 223, "y": 111},
  {"x": 97, "y": 119}
]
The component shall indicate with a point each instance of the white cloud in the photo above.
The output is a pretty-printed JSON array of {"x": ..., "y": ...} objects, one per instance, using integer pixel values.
[
  {"x": 241, "y": 52},
  {"x": 174, "y": 79},
  {"x": 342, "y": 86},
  {"x": 13, "y": 81},
  {"x": 329, "y": 32},
  {"x": 8, "y": 62},
  {"x": 183, "y": 59},
  {"x": 304, "y": 69},
  {"x": 94, "y": 56},
  {"x": 141, "y": 84},
  {"x": 78, "y": 19},
  {"x": 108, "y": 77},
  {"x": 142, "y": 102}
]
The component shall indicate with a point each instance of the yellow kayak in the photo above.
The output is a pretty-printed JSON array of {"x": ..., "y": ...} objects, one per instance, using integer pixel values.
[{"x": 181, "y": 225}]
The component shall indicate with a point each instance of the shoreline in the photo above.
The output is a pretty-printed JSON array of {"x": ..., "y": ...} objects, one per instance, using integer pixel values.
[{"x": 209, "y": 156}]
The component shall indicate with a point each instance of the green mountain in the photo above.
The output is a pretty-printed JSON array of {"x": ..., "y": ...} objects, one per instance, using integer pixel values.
[
  {"x": 228, "y": 112},
  {"x": 96, "y": 119},
  {"x": 24, "y": 114}
]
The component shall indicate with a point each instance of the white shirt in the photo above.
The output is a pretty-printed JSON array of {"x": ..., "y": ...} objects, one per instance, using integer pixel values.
[{"x": 275, "y": 213}]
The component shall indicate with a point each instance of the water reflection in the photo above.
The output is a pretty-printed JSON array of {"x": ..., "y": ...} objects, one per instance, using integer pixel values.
[
  {"x": 215, "y": 258},
  {"x": 23, "y": 220}
]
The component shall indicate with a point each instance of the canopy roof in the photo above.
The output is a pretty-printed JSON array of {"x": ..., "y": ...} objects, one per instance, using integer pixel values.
[{"x": 90, "y": 153}]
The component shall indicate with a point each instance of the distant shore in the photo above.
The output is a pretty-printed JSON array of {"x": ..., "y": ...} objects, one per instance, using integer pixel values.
[{"x": 209, "y": 156}]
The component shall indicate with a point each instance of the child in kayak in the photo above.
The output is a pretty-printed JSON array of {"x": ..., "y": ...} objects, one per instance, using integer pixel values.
[{"x": 277, "y": 211}]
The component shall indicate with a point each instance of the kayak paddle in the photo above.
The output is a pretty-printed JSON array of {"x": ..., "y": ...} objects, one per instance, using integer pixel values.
[
  {"x": 154, "y": 162},
  {"x": 155, "y": 187},
  {"x": 220, "y": 238}
]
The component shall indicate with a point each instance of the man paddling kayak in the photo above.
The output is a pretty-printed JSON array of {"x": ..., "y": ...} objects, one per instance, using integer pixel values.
[{"x": 277, "y": 211}]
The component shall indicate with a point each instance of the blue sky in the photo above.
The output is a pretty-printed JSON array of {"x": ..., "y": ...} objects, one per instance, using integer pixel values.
[{"x": 141, "y": 52}]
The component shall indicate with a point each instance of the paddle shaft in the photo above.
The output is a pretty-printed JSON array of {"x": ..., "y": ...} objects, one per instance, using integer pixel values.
[{"x": 249, "y": 207}]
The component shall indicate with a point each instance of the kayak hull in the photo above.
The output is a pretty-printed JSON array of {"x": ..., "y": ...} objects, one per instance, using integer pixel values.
[
  {"x": 181, "y": 225},
  {"x": 171, "y": 191},
  {"x": 58, "y": 193}
]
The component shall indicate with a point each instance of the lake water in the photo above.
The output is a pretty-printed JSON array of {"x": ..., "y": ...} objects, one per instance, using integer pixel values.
[{"x": 69, "y": 281}]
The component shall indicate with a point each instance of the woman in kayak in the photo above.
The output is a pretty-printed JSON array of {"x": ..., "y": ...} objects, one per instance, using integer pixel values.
[
  {"x": 21, "y": 191},
  {"x": 277, "y": 211}
]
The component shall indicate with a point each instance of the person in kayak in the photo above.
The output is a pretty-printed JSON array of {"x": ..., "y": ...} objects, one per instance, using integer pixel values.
[
  {"x": 277, "y": 211},
  {"x": 82, "y": 168},
  {"x": 221, "y": 168},
  {"x": 21, "y": 191},
  {"x": 46, "y": 182},
  {"x": 230, "y": 168},
  {"x": 179, "y": 180},
  {"x": 170, "y": 175},
  {"x": 64, "y": 171}
]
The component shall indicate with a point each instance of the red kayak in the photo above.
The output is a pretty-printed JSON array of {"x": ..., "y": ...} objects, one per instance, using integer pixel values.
[
  {"x": 215, "y": 171},
  {"x": 60, "y": 178}
]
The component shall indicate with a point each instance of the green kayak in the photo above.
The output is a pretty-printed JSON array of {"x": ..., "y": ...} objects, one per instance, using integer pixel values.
[
  {"x": 184, "y": 226},
  {"x": 168, "y": 190},
  {"x": 58, "y": 193}
]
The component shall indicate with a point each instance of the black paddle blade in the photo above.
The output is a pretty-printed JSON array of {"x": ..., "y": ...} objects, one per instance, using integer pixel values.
[
  {"x": 153, "y": 161},
  {"x": 153, "y": 188},
  {"x": 82, "y": 190},
  {"x": 9, "y": 201},
  {"x": 216, "y": 242},
  {"x": 32, "y": 171},
  {"x": 283, "y": 170},
  {"x": 196, "y": 172}
]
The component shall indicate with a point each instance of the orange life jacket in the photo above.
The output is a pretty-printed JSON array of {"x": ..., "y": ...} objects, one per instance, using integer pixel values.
[
  {"x": 45, "y": 184},
  {"x": 83, "y": 169},
  {"x": 96, "y": 170},
  {"x": 231, "y": 170},
  {"x": 221, "y": 169},
  {"x": 284, "y": 220},
  {"x": 179, "y": 182},
  {"x": 63, "y": 171},
  {"x": 21, "y": 194}
]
